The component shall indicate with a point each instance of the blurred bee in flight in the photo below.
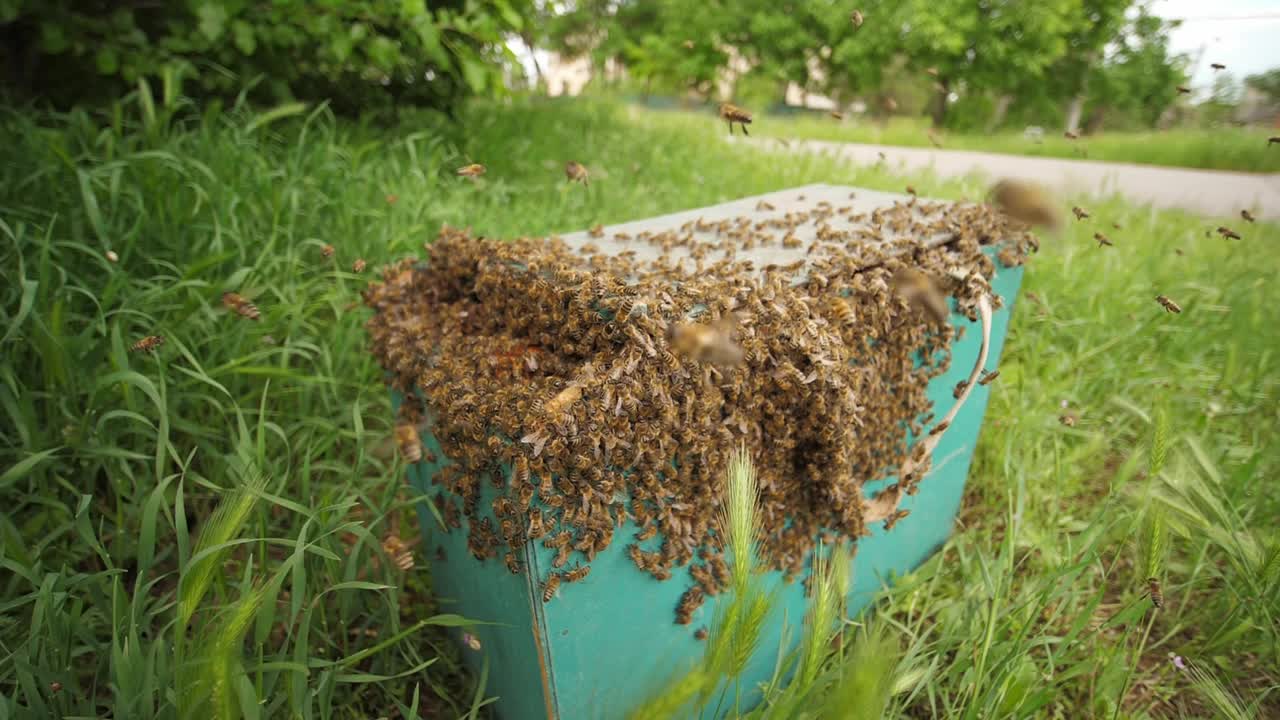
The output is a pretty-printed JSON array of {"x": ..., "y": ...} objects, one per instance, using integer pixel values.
[
  {"x": 575, "y": 172},
  {"x": 856, "y": 18},
  {"x": 1184, "y": 90},
  {"x": 1103, "y": 240},
  {"x": 1217, "y": 66},
  {"x": 1070, "y": 135},
  {"x": 474, "y": 170},
  {"x": 712, "y": 343},
  {"x": 1168, "y": 305},
  {"x": 147, "y": 344},
  {"x": 1080, "y": 212},
  {"x": 1228, "y": 233},
  {"x": 688, "y": 44},
  {"x": 1246, "y": 216},
  {"x": 236, "y": 303},
  {"x": 1026, "y": 202},
  {"x": 922, "y": 294},
  {"x": 734, "y": 114}
]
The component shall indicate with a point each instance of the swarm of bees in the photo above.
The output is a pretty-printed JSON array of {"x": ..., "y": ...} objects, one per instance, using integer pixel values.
[
  {"x": 734, "y": 114},
  {"x": 594, "y": 390}
]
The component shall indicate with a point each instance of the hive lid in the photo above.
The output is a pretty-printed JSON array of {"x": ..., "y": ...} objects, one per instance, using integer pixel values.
[{"x": 843, "y": 209}]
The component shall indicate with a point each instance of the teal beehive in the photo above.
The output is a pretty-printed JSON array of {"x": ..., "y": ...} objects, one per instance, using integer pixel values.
[{"x": 607, "y": 643}]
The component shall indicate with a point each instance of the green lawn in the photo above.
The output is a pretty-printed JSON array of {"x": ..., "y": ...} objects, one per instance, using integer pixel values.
[
  {"x": 111, "y": 462},
  {"x": 1241, "y": 149}
]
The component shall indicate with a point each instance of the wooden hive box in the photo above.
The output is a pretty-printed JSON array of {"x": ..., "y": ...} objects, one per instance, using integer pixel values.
[{"x": 608, "y": 643}]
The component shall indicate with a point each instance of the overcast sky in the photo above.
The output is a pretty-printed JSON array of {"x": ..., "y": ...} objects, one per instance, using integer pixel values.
[{"x": 1244, "y": 35}]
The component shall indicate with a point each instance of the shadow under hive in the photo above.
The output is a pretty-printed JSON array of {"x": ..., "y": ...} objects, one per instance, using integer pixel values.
[{"x": 575, "y": 449}]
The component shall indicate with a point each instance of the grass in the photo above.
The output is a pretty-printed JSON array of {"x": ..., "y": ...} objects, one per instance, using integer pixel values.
[
  {"x": 1229, "y": 148},
  {"x": 113, "y": 464}
]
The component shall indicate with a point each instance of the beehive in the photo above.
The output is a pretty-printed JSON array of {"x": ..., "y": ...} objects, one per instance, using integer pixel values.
[{"x": 603, "y": 645}]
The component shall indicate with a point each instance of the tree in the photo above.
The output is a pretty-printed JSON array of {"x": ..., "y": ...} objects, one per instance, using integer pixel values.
[
  {"x": 1267, "y": 83},
  {"x": 1096, "y": 25},
  {"x": 1140, "y": 77}
]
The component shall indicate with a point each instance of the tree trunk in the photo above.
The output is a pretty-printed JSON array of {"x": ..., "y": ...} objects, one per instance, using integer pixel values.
[
  {"x": 648, "y": 84},
  {"x": 1094, "y": 123},
  {"x": 1075, "y": 109},
  {"x": 537, "y": 68},
  {"x": 1001, "y": 112},
  {"x": 940, "y": 104}
]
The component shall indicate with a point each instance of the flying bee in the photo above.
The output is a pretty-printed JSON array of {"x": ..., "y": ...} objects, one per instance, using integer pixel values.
[
  {"x": 550, "y": 587},
  {"x": 837, "y": 115},
  {"x": 1067, "y": 419},
  {"x": 398, "y": 550},
  {"x": 147, "y": 344},
  {"x": 1070, "y": 135},
  {"x": 988, "y": 377},
  {"x": 911, "y": 191},
  {"x": 112, "y": 256},
  {"x": 690, "y": 601},
  {"x": 1168, "y": 305},
  {"x": 856, "y": 18},
  {"x": 577, "y": 574},
  {"x": 358, "y": 266},
  {"x": 1246, "y": 216},
  {"x": 1227, "y": 232},
  {"x": 707, "y": 343},
  {"x": 236, "y": 303},
  {"x": 734, "y": 114},
  {"x": 576, "y": 172},
  {"x": 762, "y": 205},
  {"x": 843, "y": 311},
  {"x": 931, "y": 71},
  {"x": 473, "y": 170},
  {"x": 596, "y": 231},
  {"x": 1217, "y": 66},
  {"x": 1157, "y": 595},
  {"x": 409, "y": 442},
  {"x": 1273, "y": 140},
  {"x": 326, "y": 251},
  {"x": 1025, "y": 202},
  {"x": 1102, "y": 240},
  {"x": 700, "y": 634},
  {"x": 688, "y": 44},
  {"x": 920, "y": 291},
  {"x": 1080, "y": 212},
  {"x": 1183, "y": 90}
]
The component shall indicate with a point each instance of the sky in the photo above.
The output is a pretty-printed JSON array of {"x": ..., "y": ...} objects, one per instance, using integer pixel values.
[{"x": 1244, "y": 35}]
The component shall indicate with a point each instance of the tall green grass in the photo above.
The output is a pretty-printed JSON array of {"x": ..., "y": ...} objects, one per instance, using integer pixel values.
[
  {"x": 113, "y": 464},
  {"x": 1228, "y": 148}
]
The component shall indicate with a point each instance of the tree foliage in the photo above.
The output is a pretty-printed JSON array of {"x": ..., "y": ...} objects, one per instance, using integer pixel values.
[
  {"x": 1035, "y": 56},
  {"x": 356, "y": 53}
]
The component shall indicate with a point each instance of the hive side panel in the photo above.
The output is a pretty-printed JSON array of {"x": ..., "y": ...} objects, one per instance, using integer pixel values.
[{"x": 484, "y": 591}]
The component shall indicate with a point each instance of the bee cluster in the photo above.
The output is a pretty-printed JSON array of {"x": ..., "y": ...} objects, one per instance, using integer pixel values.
[{"x": 564, "y": 376}]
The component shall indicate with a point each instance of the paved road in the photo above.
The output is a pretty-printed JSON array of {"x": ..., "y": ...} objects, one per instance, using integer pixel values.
[{"x": 1207, "y": 192}]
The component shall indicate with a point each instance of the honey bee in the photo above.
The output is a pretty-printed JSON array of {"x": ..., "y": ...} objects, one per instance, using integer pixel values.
[
  {"x": 700, "y": 634},
  {"x": 398, "y": 550},
  {"x": 1102, "y": 239},
  {"x": 326, "y": 251},
  {"x": 959, "y": 389},
  {"x": 236, "y": 303},
  {"x": 647, "y": 532},
  {"x": 597, "y": 231},
  {"x": 734, "y": 114},
  {"x": 1228, "y": 233},
  {"x": 1157, "y": 595},
  {"x": 988, "y": 377},
  {"x": 358, "y": 266},
  {"x": 1070, "y": 135},
  {"x": 1067, "y": 419},
  {"x": 1274, "y": 139},
  {"x": 1080, "y": 212},
  {"x": 762, "y": 205},
  {"x": 112, "y": 256},
  {"x": 147, "y": 344},
  {"x": 856, "y": 18},
  {"x": 520, "y": 469},
  {"x": 911, "y": 191},
  {"x": 1246, "y": 216},
  {"x": 578, "y": 573},
  {"x": 837, "y": 115},
  {"x": 1168, "y": 305},
  {"x": 931, "y": 71},
  {"x": 563, "y": 400},
  {"x": 1183, "y": 90},
  {"x": 536, "y": 527},
  {"x": 409, "y": 442},
  {"x": 689, "y": 602},
  {"x": 55, "y": 687},
  {"x": 919, "y": 290},
  {"x": 473, "y": 170},
  {"x": 1025, "y": 202},
  {"x": 843, "y": 311},
  {"x": 513, "y": 563},
  {"x": 688, "y": 44},
  {"x": 576, "y": 172},
  {"x": 1217, "y": 66},
  {"x": 707, "y": 343},
  {"x": 550, "y": 587},
  {"x": 392, "y": 198}
]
